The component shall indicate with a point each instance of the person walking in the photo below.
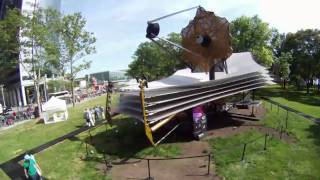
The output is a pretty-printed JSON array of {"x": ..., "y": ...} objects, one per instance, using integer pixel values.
[
  {"x": 31, "y": 168},
  {"x": 93, "y": 119},
  {"x": 86, "y": 117},
  {"x": 91, "y": 115}
]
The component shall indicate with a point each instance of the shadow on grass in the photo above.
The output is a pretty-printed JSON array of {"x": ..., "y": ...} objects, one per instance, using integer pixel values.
[
  {"x": 126, "y": 138},
  {"x": 315, "y": 136},
  {"x": 291, "y": 94}
]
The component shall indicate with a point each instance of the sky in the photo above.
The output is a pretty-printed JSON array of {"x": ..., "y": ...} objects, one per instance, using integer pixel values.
[{"x": 120, "y": 25}]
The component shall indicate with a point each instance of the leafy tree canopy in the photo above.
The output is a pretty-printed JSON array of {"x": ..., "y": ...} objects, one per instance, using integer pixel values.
[
  {"x": 155, "y": 62},
  {"x": 252, "y": 34}
]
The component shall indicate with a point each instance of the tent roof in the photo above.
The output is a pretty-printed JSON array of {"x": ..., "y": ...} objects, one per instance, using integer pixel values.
[{"x": 54, "y": 104}]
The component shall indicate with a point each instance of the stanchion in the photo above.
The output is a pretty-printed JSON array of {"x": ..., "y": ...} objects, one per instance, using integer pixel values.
[
  {"x": 90, "y": 136},
  {"x": 209, "y": 162},
  {"x": 265, "y": 141},
  {"x": 287, "y": 119},
  {"x": 149, "y": 173},
  {"x": 87, "y": 149},
  {"x": 243, "y": 152}
]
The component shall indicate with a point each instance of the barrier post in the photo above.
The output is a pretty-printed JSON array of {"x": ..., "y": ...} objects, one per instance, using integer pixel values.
[
  {"x": 149, "y": 175},
  {"x": 87, "y": 149},
  {"x": 209, "y": 161},
  {"x": 90, "y": 136},
  {"x": 287, "y": 119},
  {"x": 243, "y": 152},
  {"x": 265, "y": 141}
]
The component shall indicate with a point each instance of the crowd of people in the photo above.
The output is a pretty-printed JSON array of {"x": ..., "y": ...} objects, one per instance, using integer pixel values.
[{"x": 91, "y": 115}]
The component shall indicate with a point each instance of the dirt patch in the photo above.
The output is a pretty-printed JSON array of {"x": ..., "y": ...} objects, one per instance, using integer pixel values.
[
  {"x": 238, "y": 121},
  {"x": 196, "y": 168},
  {"x": 219, "y": 125}
]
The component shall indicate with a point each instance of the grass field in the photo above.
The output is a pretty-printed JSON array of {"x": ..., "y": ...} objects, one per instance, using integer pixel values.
[
  {"x": 281, "y": 160},
  {"x": 298, "y": 100},
  {"x": 19, "y": 139},
  {"x": 67, "y": 160},
  {"x": 126, "y": 139}
]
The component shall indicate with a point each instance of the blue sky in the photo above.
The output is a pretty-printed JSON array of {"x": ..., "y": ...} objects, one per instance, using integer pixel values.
[{"x": 119, "y": 25}]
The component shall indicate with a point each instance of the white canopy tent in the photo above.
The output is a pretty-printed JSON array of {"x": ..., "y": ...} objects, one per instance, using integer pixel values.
[{"x": 55, "y": 110}]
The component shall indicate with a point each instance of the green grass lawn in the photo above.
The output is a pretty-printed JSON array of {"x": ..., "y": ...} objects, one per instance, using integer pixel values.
[
  {"x": 67, "y": 160},
  {"x": 26, "y": 136},
  {"x": 281, "y": 160},
  {"x": 125, "y": 139},
  {"x": 298, "y": 100}
]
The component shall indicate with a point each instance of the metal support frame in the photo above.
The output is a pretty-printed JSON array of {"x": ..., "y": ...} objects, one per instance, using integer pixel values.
[{"x": 144, "y": 113}]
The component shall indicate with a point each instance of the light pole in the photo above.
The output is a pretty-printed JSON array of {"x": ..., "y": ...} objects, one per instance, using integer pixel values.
[{"x": 4, "y": 102}]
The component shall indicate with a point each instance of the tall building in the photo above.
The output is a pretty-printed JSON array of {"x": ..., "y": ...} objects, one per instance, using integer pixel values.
[
  {"x": 4, "y": 4},
  {"x": 19, "y": 86}
]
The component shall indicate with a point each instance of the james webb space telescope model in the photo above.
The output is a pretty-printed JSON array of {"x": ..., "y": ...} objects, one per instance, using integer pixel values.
[{"x": 215, "y": 73}]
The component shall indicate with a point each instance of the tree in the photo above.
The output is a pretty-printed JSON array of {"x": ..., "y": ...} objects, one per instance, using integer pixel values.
[
  {"x": 9, "y": 41},
  {"x": 252, "y": 34},
  {"x": 282, "y": 67},
  {"x": 305, "y": 48},
  {"x": 36, "y": 40},
  {"x": 77, "y": 43},
  {"x": 154, "y": 61}
]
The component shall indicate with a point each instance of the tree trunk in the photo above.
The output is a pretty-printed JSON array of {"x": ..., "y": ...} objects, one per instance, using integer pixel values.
[
  {"x": 284, "y": 84},
  {"x": 38, "y": 98},
  {"x": 72, "y": 85}
]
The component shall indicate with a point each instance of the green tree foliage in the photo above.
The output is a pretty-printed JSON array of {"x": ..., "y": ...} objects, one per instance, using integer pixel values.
[
  {"x": 59, "y": 85},
  {"x": 154, "y": 61},
  {"x": 305, "y": 48},
  {"x": 77, "y": 43},
  {"x": 252, "y": 34},
  {"x": 9, "y": 41},
  {"x": 37, "y": 42},
  {"x": 282, "y": 67}
]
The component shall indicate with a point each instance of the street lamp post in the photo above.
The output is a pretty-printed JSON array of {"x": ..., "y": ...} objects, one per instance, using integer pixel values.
[{"x": 4, "y": 101}]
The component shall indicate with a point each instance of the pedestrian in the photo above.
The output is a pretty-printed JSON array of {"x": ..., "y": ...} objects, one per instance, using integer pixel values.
[
  {"x": 86, "y": 117},
  {"x": 93, "y": 119},
  {"x": 97, "y": 113},
  {"x": 102, "y": 112},
  {"x": 31, "y": 168}
]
